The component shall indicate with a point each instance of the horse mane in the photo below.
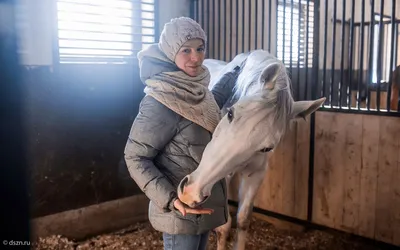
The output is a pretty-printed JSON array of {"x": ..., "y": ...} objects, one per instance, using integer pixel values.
[{"x": 248, "y": 86}]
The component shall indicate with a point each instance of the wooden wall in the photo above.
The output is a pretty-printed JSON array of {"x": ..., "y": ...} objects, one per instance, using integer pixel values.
[{"x": 356, "y": 175}]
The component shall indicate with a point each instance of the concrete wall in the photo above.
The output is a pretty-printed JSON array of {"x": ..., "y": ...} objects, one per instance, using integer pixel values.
[
  {"x": 172, "y": 8},
  {"x": 36, "y": 30}
]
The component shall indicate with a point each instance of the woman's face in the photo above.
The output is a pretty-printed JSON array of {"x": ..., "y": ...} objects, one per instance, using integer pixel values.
[{"x": 190, "y": 57}]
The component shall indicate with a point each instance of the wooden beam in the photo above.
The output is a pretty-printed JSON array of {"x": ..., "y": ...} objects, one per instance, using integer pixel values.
[{"x": 89, "y": 221}]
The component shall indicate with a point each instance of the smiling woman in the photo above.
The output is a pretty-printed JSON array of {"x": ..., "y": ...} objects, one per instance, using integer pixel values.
[
  {"x": 175, "y": 122},
  {"x": 190, "y": 57}
]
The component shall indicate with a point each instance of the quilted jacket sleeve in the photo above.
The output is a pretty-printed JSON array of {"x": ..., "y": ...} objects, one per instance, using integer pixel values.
[
  {"x": 222, "y": 90},
  {"x": 154, "y": 126}
]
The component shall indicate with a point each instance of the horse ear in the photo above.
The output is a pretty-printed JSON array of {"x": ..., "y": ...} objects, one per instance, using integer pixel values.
[
  {"x": 269, "y": 75},
  {"x": 302, "y": 109}
]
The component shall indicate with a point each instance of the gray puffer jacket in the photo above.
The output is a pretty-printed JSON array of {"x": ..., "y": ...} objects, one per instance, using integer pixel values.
[{"x": 162, "y": 148}]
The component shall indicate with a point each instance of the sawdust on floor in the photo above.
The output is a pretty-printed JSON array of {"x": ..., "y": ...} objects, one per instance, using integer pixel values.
[{"x": 261, "y": 236}]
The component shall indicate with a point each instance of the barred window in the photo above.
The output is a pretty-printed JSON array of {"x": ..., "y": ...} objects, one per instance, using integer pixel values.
[
  {"x": 299, "y": 31},
  {"x": 104, "y": 31}
]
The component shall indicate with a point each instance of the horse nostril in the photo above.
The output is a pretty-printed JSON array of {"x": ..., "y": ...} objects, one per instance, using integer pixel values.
[{"x": 183, "y": 183}]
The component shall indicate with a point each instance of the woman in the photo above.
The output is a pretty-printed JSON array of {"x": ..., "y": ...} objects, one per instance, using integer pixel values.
[{"x": 175, "y": 122}]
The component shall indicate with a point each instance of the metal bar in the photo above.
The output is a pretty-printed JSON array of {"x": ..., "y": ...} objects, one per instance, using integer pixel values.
[
  {"x": 307, "y": 43},
  {"x": 249, "y": 13},
  {"x": 256, "y": 28},
  {"x": 226, "y": 31},
  {"x": 395, "y": 60},
  {"x": 361, "y": 112},
  {"x": 203, "y": 11},
  {"x": 387, "y": 16},
  {"x": 269, "y": 25},
  {"x": 371, "y": 51},
  {"x": 314, "y": 86},
  {"x": 237, "y": 27},
  {"x": 276, "y": 28},
  {"x": 291, "y": 37},
  {"x": 219, "y": 4},
  {"x": 361, "y": 51},
  {"x": 333, "y": 52},
  {"x": 349, "y": 87},
  {"x": 262, "y": 23},
  {"x": 209, "y": 24},
  {"x": 325, "y": 49},
  {"x": 231, "y": 29},
  {"x": 213, "y": 28},
  {"x": 284, "y": 31},
  {"x": 380, "y": 61},
  {"x": 219, "y": 29},
  {"x": 391, "y": 55},
  {"x": 298, "y": 59},
  {"x": 342, "y": 53},
  {"x": 384, "y": 22},
  {"x": 207, "y": 6},
  {"x": 243, "y": 22}
]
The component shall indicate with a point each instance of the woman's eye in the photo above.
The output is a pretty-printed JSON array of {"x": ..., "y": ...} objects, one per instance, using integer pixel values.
[{"x": 200, "y": 49}]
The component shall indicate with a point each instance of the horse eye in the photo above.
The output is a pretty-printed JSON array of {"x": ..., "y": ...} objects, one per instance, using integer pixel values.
[
  {"x": 264, "y": 150},
  {"x": 230, "y": 115}
]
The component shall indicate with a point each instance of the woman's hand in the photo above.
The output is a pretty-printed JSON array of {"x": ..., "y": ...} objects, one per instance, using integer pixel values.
[{"x": 187, "y": 210}]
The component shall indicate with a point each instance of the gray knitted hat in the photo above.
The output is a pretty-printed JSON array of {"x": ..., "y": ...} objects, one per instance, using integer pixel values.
[{"x": 177, "y": 32}]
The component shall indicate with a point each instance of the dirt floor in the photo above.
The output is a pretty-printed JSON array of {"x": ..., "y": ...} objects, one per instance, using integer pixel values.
[{"x": 262, "y": 236}]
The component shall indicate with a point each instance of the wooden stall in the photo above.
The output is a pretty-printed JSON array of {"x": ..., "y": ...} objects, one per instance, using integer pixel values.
[{"x": 356, "y": 175}]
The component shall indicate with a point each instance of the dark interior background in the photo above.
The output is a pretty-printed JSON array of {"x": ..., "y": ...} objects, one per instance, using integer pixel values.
[{"x": 78, "y": 119}]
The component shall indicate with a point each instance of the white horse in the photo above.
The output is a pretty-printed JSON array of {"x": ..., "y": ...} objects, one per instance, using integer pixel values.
[{"x": 253, "y": 126}]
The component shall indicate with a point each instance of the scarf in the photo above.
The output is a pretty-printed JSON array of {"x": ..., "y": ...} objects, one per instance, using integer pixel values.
[{"x": 188, "y": 96}]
